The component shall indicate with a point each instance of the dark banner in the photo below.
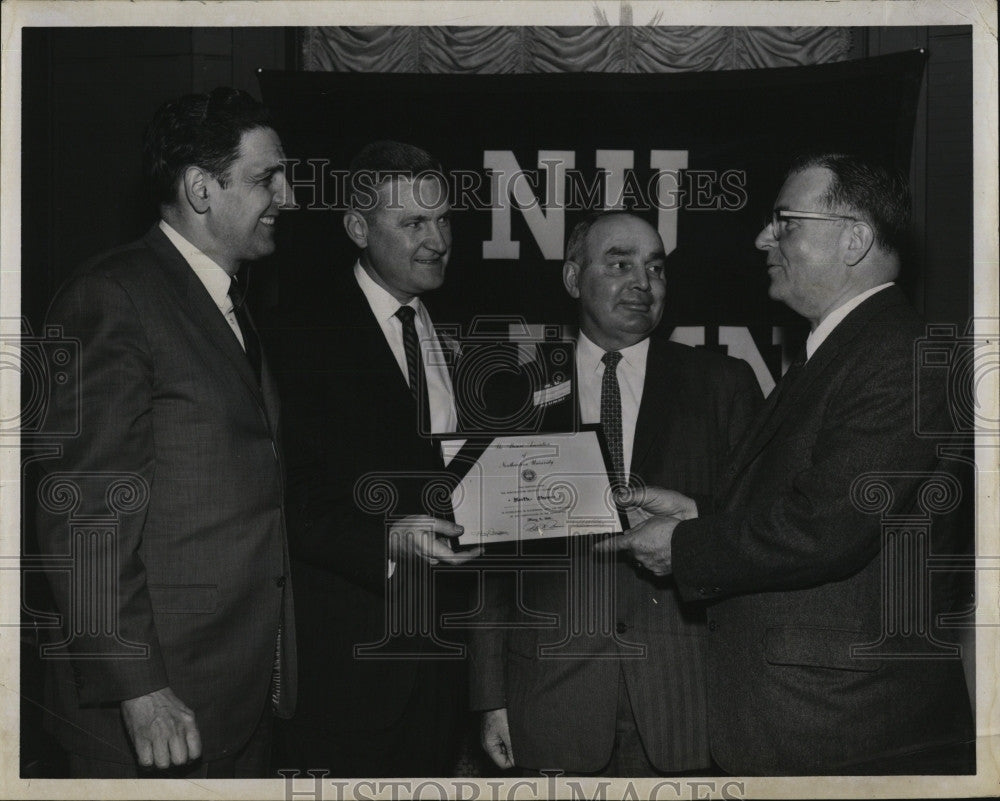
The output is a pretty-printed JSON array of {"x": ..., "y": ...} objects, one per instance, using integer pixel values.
[{"x": 700, "y": 155}]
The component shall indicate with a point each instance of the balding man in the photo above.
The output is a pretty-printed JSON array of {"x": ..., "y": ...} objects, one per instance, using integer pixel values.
[
  {"x": 631, "y": 701},
  {"x": 804, "y": 675}
]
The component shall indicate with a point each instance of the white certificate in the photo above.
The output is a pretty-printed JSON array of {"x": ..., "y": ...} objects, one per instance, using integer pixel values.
[{"x": 534, "y": 486}]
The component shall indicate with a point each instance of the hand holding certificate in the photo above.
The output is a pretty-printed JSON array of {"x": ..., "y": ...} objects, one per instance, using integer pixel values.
[
  {"x": 653, "y": 514},
  {"x": 533, "y": 486}
]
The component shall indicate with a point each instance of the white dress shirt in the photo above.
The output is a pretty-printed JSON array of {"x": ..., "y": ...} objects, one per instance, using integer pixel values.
[
  {"x": 439, "y": 390},
  {"x": 631, "y": 378},
  {"x": 833, "y": 319},
  {"x": 216, "y": 280}
]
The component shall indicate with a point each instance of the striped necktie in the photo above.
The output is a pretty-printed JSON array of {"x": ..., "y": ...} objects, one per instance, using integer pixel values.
[{"x": 415, "y": 366}]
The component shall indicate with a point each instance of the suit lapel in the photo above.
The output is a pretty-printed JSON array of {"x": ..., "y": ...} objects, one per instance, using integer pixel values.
[
  {"x": 372, "y": 348},
  {"x": 197, "y": 304},
  {"x": 776, "y": 410},
  {"x": 774, "y": 413},
  {"x": 658, "y": 397}
]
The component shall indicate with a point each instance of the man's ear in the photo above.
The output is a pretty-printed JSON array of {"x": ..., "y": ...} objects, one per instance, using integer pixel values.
[
  {"x": 196, "y": 189},
  {"x": 862, "y": 239},
  {"x": 571, "y": 278},
  {"x": 357, "y": 228}
]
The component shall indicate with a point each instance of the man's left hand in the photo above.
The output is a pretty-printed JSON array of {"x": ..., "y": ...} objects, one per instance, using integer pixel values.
[{"x": 648, "y": 543}]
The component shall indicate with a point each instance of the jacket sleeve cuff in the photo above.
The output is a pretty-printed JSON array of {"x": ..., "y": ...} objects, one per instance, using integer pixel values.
[{"x": 691, "y": 560}]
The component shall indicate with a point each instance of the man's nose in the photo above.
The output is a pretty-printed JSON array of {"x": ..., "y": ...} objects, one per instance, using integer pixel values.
[
  {"x": 436, "y": 239},
  {"x": 284, "y": 194},
  {"x": 640, "y": 278},
  {"x": 765, "y": 239}
]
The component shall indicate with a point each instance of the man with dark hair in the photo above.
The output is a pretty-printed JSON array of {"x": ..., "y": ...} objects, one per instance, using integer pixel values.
[
  {"x": 628, "y": 701},
  {"x": 365, "y": 390},
  {"x": 177, "y": 458},
  {"x": 825, "y": 652},
  {"x": 198, "y": 128}
]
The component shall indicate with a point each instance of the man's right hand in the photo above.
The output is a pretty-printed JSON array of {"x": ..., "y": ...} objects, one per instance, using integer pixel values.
[
  {"x": 418, "y": 536},
  {"x": 162, "y": 728},
  {"x": 659, "y": 501},
  {"x": 494, "y": 736}
]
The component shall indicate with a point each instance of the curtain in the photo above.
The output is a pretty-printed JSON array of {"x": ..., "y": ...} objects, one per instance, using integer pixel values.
[{"x": 604, "y": 48}]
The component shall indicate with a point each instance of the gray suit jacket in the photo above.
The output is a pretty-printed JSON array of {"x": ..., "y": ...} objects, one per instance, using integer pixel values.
[
  {"x": 167, "y": 509},
  {"x": 803, "y": 675}
]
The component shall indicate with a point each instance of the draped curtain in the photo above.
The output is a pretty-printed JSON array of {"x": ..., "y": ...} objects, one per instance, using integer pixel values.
[{"x": 604, "y": 48}]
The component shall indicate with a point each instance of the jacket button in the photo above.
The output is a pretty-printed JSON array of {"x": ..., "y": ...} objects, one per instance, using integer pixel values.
[
  {"x": 280, "y": 581},
  {"x": 712, "y": 625},
  {"x": 702, "y": 591}
]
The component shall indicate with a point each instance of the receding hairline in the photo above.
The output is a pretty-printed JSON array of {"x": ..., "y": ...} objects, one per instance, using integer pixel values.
[
  {"x": 579, "y": 238},
  {"x": 389, "y": 178}
]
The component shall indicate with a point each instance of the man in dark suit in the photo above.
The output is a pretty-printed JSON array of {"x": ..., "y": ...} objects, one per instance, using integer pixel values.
[
  {"x": 629, "y": 700},
  {"x": 169, "y": 502},
  {"x": 809, "y": 671},
  {"x": 365, "y": 389}
]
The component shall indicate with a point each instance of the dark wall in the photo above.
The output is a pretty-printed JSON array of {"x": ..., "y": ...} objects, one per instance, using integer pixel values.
[
  {"x": 88, "y": 95},
  {"x": 940, "y": 279}
]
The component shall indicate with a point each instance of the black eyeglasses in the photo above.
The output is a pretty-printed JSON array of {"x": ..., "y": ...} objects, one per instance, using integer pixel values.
[{"x": 779, "y": 217}]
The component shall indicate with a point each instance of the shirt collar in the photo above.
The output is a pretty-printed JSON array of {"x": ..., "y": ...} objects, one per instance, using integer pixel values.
[
  {"x": 384, "y": 306},
  {"x": 833, "y": 319},
  {"x": 589, "y": 355},
  {"x": 216, "y": 280}
]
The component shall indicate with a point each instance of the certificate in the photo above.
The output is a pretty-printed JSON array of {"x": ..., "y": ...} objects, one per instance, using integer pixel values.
[{"x": 532, "y": 487}]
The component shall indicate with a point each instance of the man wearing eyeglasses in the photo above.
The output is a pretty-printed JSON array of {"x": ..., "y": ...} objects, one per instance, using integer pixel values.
[{"x": 803, "y": 589}]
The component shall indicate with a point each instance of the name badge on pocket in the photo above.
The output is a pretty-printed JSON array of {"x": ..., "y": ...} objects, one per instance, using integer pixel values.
[{"x": 550, "y": 394}]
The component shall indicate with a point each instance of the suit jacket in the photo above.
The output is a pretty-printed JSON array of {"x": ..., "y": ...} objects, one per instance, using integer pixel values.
[
  {"x": 793, "y": 565},
  {"x": 357, "y": 460},
  {"x": 175, "y": 486},
  {"x": 559, "y": 679}
]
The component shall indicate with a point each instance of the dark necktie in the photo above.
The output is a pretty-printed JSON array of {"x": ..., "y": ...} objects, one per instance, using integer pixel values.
[
  {"x": 778, "y": 396},
  {"x": 611, "y": 417},
  {"x": 250, "y": 342},
  {"x": 789, "y": 378},
  {"x": 415, "y": 365}
]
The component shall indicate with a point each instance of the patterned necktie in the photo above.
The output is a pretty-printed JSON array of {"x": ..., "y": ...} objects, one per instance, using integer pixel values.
[
  {"x": 415, "y": 365},
  {"x": 250, "y": 342},
  {"x": 611, "y": 417}
]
